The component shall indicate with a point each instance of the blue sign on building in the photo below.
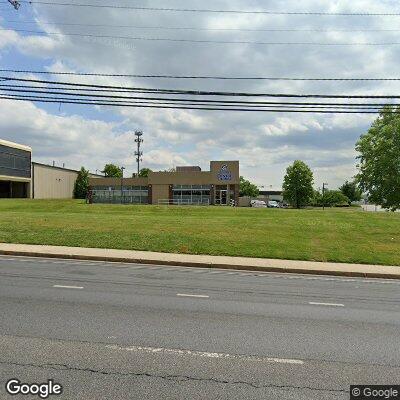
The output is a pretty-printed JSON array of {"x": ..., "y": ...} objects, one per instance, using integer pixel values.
[{"x": 224, "y": 173}]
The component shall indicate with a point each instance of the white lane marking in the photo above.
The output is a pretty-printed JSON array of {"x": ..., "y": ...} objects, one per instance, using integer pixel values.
[
  {"x": 201, "y": 296},
  {"x": 194, "y": 353},
  {"x": 326, "y": 304},
  {"x": 67, "y": 287}
]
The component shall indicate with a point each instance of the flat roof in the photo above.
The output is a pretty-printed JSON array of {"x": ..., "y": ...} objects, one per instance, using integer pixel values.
[
  {"x": 63, "y": 168},
  {"x": 15, "y": 145}
]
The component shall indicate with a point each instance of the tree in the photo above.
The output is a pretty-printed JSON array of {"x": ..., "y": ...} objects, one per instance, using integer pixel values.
[
  {"x": 351, "y": 191},
  {"x": 335, "y": 198},
  {"x": 81, "y": 184},
  {"x": 112, "y": 171},
  {"x": 144, "y": 172},
  {"x": 379, "y": 159},
  {"x": 247, "y": 188},
  {"x": 297, "y": 184},
  {"x": 316, "y": 199}
]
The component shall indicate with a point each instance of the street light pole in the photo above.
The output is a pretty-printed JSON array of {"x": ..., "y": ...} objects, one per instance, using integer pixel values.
[
  {"x": 323, "y": 195},
  {"x": 122, "y": 183}
]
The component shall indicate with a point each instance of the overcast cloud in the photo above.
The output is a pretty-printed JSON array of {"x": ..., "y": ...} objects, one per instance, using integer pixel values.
[{"x": 264, "y": 143}]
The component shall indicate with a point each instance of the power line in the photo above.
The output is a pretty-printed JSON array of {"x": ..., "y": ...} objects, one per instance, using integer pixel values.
[
  {"x": 204, "y": 41},
  {"x": 201, "y": 92},
  {"x": 197, "y": 10},
  {"x": 167, "y": 101},
  {"x": 194, "y": 76},
  {"x": 33, "y": 89},
  {"x": 179, "y": 28},
  {"x": 55, "y": 100},
  {"x": 56, "y": 96}
]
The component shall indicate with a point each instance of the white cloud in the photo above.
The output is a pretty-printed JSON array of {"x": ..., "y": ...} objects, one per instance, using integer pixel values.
[{"x": 264, "y": 142}]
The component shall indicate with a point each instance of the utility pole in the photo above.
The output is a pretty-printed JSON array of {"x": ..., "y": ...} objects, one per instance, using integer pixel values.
[
  {"x": 14, "y": 3},
  {"x": 323, "y": 195},
  {"x": 138, "y": 153}
]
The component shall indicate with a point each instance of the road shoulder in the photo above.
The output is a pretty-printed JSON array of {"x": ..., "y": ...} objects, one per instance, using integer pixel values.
[{"x": 203, "y": 261}]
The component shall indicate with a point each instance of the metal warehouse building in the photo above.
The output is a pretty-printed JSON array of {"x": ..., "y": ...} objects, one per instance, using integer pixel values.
[
  {"x": 15, "y": 170},
  {"x": 22, "y": 178},
  {"x": 186, "y": 185}
]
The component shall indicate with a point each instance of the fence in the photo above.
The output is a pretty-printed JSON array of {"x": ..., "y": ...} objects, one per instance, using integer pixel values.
[
  {"x": 118, "y": 197},
  {"x": 374, "y": 208},
  {"x": 183, "y": 202}
]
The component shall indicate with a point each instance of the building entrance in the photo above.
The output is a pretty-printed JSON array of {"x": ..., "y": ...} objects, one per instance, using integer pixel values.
[
  {"x": 15, "y": 190},
  {"x": 221, "y": 195}
]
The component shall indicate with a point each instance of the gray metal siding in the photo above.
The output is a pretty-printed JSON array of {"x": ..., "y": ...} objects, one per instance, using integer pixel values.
[{"x": 15, "y": 162}]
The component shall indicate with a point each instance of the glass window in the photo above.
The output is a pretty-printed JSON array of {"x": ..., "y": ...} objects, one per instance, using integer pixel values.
[
  {"x": 177, "y": 194},
  {"x": 186, "y": 195}
]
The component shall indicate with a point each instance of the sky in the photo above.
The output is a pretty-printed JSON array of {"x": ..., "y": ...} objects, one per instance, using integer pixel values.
[{"x": 264, "y": 143}]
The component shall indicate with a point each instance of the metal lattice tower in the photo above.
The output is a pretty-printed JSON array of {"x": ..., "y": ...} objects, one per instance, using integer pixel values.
[
  {"x": 138, "y": 152},
  {"x": 14, "y": 3}
]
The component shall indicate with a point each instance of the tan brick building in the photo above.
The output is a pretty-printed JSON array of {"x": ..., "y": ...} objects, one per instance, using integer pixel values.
[{"x": 186, "y": 185}]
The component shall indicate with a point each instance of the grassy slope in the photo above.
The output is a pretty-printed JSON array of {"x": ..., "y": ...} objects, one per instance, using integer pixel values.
[{"x": 347, "y": 235}]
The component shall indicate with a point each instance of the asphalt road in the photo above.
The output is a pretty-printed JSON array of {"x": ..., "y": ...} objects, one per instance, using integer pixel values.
[{"x": 123, "y": 331}]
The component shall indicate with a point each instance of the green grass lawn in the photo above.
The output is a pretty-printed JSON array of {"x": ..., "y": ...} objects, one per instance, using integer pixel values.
[{"x": 347, "y": 235}]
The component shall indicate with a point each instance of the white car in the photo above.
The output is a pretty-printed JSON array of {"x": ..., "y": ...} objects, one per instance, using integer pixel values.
[
  {"x": 273, "y": 204},
  {"x": 258, "y": 203}
]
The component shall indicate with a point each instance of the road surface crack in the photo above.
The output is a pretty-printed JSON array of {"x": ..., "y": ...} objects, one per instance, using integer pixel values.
[{"x": 176, "y": 378}]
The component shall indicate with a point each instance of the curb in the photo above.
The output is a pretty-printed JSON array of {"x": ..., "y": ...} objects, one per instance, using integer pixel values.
[{"x": 368, "y": 274}]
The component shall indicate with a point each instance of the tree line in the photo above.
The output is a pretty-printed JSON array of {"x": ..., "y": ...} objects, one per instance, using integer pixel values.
[
  {"x": 81, "y": 187},
  {"x": 378, "y": 171}
]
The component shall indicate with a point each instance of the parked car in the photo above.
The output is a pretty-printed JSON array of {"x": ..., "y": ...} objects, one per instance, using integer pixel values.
[
  {"x": 273, "y": 204},
  {"x": 258, "y": 203}
]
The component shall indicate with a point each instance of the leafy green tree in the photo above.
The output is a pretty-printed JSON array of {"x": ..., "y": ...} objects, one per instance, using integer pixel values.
[
  {"x": 112, "y": 171},
  {"x": 351, "y": 191},
  {"x": 81, "y": 184},
  {"x": 316, "y": 199},
  {"x": 144, "y": 172},
  {"x": 379, "y": 159},
  {"x": 335, "y": 198},
  {"x": 331, "y": 198},
  {"x": 247, "y": 188},
  {"x": 297, "y": 184}
]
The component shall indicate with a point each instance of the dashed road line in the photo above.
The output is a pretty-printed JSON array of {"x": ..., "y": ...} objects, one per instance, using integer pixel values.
[
  {"x": 67, "y": 287},
  {"x": 194, "y": 353},
  {"x": 313, "y": 303},
  {"x": 201, "y": 296}
]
